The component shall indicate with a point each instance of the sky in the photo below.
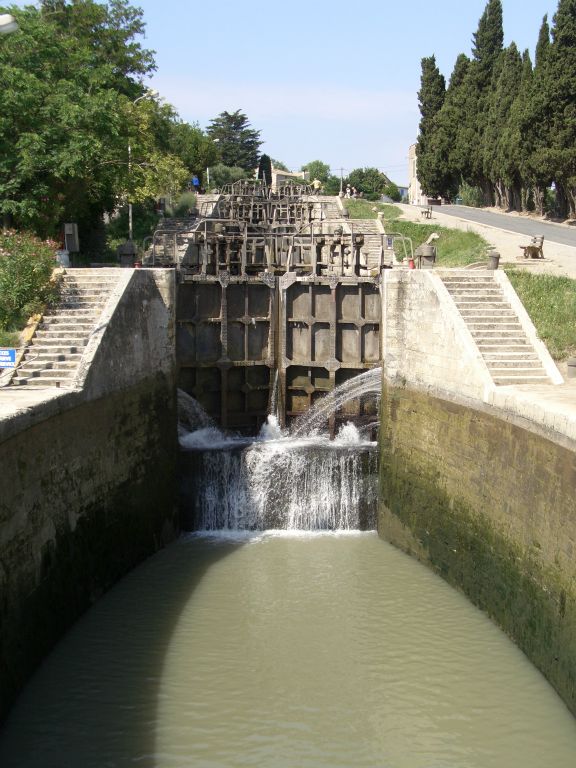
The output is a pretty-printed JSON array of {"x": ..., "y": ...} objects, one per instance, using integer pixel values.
[{"x": 321, "y": 79}]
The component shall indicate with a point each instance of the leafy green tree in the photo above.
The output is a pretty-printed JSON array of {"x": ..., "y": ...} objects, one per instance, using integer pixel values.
[
  {"x": 316, "y": 169},
  {"x": 391, "y": 190},
  {"x": 192, "y": 146},
  {"x": 224, "y": 174},
  {"x": 71, "y": 107},
  {"x": 279, "y": 165},
  {"x": 239, "y": 144},
  {"x": 370, "y": 181}
]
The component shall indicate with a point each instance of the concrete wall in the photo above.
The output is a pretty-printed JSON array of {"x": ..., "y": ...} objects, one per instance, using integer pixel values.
[
  {"x": 486, "y": 498},
  {"x": 426, "y": 341},
  {"x": 88, "y": 478}
]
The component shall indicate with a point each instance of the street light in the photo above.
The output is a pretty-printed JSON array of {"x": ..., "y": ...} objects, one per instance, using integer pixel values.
[
  {"x": 8, "y": 24},
  {"x": 150, "y": 94},
  {"x": 214, "y": 141}
]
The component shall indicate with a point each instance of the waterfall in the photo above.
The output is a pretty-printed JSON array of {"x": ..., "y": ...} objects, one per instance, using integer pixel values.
[{"x": 299, "y": 480}]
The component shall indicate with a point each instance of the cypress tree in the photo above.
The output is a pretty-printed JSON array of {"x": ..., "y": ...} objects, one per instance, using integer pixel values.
[
  {"x": 430, "y": 98},
  {"x": 488, "y": 40},
  {"x": 450, "y": 150},
  {"x": 498, "y": 161},
  {"x": 553, "y": 111},
  {"x": 543, "y": 44}
]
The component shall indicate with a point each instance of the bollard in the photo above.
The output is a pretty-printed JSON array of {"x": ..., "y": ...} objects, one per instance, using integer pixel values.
[{"x": 493, "y": 259}]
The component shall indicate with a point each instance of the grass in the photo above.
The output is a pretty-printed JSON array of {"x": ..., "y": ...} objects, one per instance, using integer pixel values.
[
  {"x": 454, "y": 248},
  {"x": 549, "y": 300},
  {"x": 9, "y": 338},
  {"x": 551, "y": 303}
]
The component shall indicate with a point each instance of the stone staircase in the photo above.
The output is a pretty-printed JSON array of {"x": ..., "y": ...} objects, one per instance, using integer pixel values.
[
  {"x": 52, "y": 357},
  {"x": 372, "y": 231},
  {"x": 496, "y": 329}
]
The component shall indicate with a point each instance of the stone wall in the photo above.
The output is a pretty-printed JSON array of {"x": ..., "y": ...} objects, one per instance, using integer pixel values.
[
  {"x": 426, "y": 341},
  {"x": 487, "y": 500},
  {"x": 88, "y": 479}
]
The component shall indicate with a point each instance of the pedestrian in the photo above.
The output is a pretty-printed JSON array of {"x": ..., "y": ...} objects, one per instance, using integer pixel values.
[
  {"x": 195, "y": 183},
  {"x": 348, "y": 192}
]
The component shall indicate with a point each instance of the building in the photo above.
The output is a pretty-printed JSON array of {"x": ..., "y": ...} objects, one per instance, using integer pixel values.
[{"x": 415, "y": 194}]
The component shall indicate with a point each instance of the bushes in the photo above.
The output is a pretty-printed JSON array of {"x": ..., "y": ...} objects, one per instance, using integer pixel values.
[{"x": 26, "y": 266}]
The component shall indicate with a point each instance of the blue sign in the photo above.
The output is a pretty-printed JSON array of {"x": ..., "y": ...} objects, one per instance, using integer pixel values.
[{"x": 7, "y": 358}]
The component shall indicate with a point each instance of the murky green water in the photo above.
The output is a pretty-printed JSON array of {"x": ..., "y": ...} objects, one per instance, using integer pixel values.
[{"x": 287, "y": 652}]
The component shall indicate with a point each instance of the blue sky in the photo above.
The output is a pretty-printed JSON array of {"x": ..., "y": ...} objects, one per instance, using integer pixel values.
[{"x": 321, "y": 79}]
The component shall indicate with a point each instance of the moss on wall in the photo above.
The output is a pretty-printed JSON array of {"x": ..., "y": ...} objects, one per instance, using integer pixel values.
[
  {"x": 86, "y": 495},
  {"x": 490, "y": 507}
]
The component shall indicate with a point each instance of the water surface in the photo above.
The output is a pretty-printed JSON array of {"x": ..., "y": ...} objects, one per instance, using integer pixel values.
[{"x": 282, "y": 652}]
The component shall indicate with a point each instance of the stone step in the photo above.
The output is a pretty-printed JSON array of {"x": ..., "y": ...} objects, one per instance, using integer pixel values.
[
  {"x": 496, "y": 335},
  {"x": 505, "y": 347},
  {"x": 85, "y": 293},
  {"x": 480, "y": 312},
  {"x": 61, "y": 341},
  {"x": 510, "y": 355},
  {"x": 493, "y": 325},
  {"x": 88, "y": 313},
  {"x": 520, "y": 379},
  {"x": 66, "y": 323},
  {"x": 476, "y": 292},
  {"x": 502, "y": 366},
  {"x": 466, "y": 304},
  {"x": 47, "y": 365},
  {"x": 38, "y": 381}
]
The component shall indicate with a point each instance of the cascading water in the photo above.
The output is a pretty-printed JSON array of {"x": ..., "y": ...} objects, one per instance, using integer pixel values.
[{"x": 295, "y": 481}]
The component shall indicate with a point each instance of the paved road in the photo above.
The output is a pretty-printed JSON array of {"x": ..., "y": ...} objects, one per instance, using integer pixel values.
[{"x": 554, "y": 233}]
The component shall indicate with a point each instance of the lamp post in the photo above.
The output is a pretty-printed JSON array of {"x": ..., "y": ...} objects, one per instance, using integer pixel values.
[
  {"x": 8, "y": 24},
  {"x": 214, "y": 141},
  {"x": 150, "y": 94}
]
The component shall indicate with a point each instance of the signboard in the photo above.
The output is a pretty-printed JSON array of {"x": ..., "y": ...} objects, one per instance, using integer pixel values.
[{"x": 7, "y": 358}]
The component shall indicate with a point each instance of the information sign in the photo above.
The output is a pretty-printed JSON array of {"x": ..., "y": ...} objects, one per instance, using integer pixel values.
[{"x": 7, "y": 358}]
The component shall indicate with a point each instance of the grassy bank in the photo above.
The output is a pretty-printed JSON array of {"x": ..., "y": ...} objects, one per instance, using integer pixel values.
[
  {"x": 551, "y": 303},
  {"x": 454, "y": 248}
]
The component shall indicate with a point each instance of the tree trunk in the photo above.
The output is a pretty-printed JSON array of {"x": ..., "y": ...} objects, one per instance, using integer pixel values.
[
  {"x": 561, "y": 201},
  {"x": 525, "y": 196},
  {"x": 539, "y": 199},
  {"x": 487, "y": 192},
  {"x": 515, "y": 197}
]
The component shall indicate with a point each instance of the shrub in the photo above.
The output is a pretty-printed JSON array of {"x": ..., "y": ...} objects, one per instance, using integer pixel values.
[
  {"x": 26, "y": 266},
  {"x": 471, "y": 196}
]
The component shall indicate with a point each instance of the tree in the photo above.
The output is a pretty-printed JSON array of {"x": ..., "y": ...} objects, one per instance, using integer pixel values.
[
  {"x": 194, "y": 148},
  {"x": 316, "y": 169},
  {"x": 430, "y": 98},
  {"x": 445, "y": 160},
  {"x": 265, "y": 170},
  {"x": 552, "y": 112},
  {"x": 499, "y": 164},
  {"x": 370, "y": 181},
  {"x": 279, "y": 165},
  {"x": 391, "y": 190},
  {"x": 70, "y": 108},
  {"x": 239, "y": 145},
  {"x": 223, "y": 174}
]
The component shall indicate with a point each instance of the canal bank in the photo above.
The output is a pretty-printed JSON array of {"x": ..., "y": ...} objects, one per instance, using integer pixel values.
[{"x": 88, "y": 476}]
